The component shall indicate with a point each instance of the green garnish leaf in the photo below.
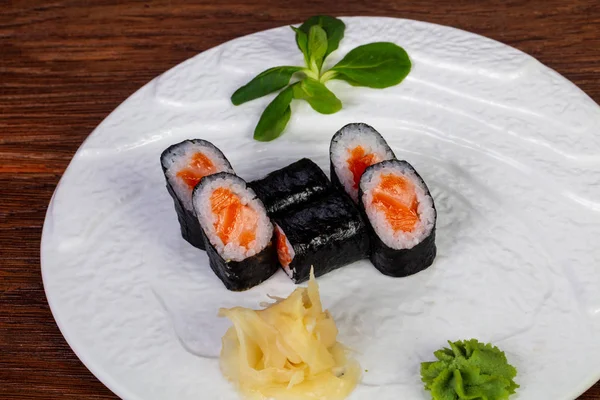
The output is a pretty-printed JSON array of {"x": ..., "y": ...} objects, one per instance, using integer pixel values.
[
  {"x": 266, "y": 82},
  {"x": 302, "y": 42},
  {"x": 317, "y": 47},
  {"x": 275, "y": 117},
  {"x": 318, "y": 96},
  {"x": 333, "y": 27},
  {"x": 469, "y": 370},
  {"x": 375, "y": 65}
]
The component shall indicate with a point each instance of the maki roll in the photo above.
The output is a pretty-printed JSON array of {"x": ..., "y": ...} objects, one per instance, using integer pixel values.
[
  {"x": 354, "y": 148},
  {"x": 326, "y": 234},
  {"x": 402, "y": 217},
  {"x": 184, "y": 164},
  {"x": 286, "y": 188},
  {"x": 237, "y": 231}
]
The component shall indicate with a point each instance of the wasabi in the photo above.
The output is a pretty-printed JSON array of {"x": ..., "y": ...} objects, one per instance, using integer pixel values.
[{"x": 469, "y": 370}]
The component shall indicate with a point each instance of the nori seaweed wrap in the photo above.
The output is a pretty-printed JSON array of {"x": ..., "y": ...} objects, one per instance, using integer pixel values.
[
  {"x": 291, "y": 186},
  {"x": 242, "y": 275},
  {"x": 236, "y": 230},
  {"x": 327, "y": 233},
  {"x": 188, "y": 223},
  {"x": 183, "y": 165},
  {"x": 401, "y": 217}
]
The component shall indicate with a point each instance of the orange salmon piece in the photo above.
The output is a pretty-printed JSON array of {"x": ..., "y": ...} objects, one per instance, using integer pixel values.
[
  {"x": 283, "y": 252},
  {"x": 246, "y": 237},
  {"x": 199, "y": 167},
  {"x": 236, "y": 222},
  {"x": 358, "y": 161},
  {"x": 395, "y": 196}
]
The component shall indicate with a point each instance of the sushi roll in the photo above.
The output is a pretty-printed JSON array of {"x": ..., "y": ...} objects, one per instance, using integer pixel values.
[
  {"x": 326, "y": 234},
  {"x": 183, "y": 165},
  {"x": 402, "y": 217},
  {"x": 237, "y": 231},
  {"x": 286, "y": 188},
  {"x": 354, "y": 148}
]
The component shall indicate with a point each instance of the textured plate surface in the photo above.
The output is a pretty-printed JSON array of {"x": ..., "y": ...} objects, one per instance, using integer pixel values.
[{"x": 509, "y": 148}]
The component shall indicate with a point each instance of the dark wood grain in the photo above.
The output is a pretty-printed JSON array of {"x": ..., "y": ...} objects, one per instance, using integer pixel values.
[{"x": 64, "y": 65}]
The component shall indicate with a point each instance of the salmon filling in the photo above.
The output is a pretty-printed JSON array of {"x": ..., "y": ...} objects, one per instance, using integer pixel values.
[
  {"x": 283, "y": 251},
  {"x": 236, "y": 222},
  {"x": 199, "y": 167},
  {"x": 396, "y": 198},
  {"x": 360, "y": 160}
]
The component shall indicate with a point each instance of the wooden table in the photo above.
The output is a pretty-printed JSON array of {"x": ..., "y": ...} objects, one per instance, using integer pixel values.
[{"x": 64, "y": 65}]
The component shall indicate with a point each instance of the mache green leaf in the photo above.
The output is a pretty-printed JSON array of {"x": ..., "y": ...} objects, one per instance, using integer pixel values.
[
  {"x": 275, "y": 117},
  {"x": 333, "y": 27},
  {"x": 375, "y": 65},
  {"x": 317, "y": 47},
  {"x": 302, "y": 43},
  {"x": 317, "y": 95},
  {"x": 266, "y": 82}
]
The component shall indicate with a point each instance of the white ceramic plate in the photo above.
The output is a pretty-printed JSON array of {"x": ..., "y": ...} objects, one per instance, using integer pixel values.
[{"x": 509, "y": 149}]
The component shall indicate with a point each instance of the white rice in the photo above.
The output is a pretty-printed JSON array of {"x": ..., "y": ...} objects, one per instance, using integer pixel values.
[
  {"x": 348, "y": 138},
  {"x": 286, "y": 268},
  {"x": 398, "y": 239},
  {"x": 180, "y": 157},
  {"x": 203, "y": 208}
]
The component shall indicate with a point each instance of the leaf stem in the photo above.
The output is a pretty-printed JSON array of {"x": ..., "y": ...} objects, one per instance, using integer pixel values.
[
  {"x": 311, "y": 74},
  {"x": 327, "y": 76},
  {"x": 315, "y": 68}
]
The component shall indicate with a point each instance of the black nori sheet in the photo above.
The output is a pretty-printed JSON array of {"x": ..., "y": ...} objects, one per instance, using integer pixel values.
[
  {"x": 190, "y": 228},
  {"x": 239, "y": 275},
  {"x": 399, "y": 263},
  {"x": 291, "y": 186},
  {"x": 404, "y": 262},
  {"x": 243, "y": 275},
  {"x": 335, "y": 180},
  {"x": 327, "y": 234}
]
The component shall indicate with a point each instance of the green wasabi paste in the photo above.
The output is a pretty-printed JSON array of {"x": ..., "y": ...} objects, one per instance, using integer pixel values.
[{"x": 469, "y": 370}]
